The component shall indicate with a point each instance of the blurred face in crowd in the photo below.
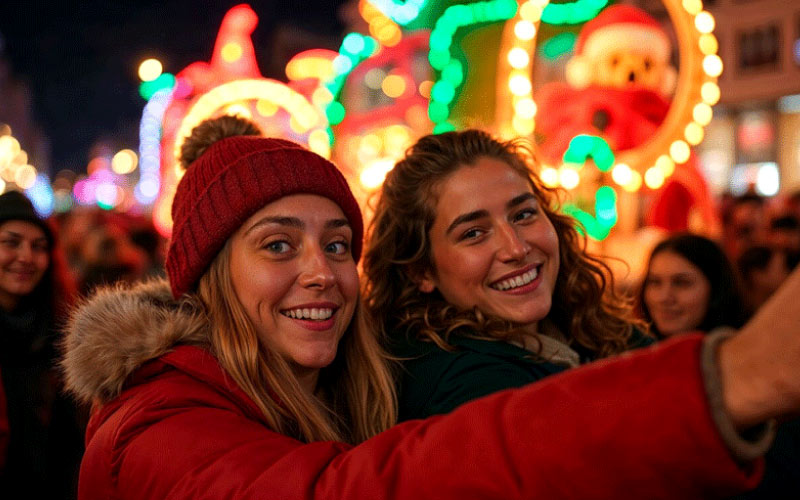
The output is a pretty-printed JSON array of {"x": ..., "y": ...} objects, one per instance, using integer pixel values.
[
  {"x": 24, "y": 257},
  {"x": 492, "y": 247},
  {"x": 293, "y": 271},
  {"x": 676, "y": 293}
]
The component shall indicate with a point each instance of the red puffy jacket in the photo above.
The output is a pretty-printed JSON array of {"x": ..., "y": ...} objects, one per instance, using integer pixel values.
[{"x": 173, "y": 425}]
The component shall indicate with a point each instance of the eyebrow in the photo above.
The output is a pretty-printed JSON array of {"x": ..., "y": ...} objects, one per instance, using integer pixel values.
[
  {"x": 22, "y": 236},
  {"x": 478, "y": 214},
  {"x": 294, "y": 222}
]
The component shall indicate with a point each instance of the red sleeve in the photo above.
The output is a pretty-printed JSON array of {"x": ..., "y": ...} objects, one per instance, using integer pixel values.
[{"x": 637, "y": 426}]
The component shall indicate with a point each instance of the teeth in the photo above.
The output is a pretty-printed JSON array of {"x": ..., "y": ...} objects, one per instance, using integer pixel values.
[
  {"x": 313, "y": 314},
  {"x": 517, "y": 281}
]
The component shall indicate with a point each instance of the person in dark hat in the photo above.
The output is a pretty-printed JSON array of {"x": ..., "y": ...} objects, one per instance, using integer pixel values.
[{"x": 44, "y": 443}]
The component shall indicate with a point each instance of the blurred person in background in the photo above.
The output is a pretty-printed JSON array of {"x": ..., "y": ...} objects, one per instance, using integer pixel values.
[
  {"x": 44, "y": 434},
  {"x": 690, "y": 285},
  {"x": 762, "y": 270},
  {"x": 784, "y": 233},
  {"x": 744, "y": 224},
  {"x": 108, "y": 255}
]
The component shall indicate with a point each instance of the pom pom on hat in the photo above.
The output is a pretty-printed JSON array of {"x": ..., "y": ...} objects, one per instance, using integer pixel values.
[{"x": 231, "y": 180}]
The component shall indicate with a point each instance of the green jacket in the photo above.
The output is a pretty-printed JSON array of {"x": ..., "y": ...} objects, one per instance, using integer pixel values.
[{"x": 435, "y": 381}]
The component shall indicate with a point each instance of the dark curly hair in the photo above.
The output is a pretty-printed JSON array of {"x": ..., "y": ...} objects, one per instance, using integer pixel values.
[{"x": 586, "y": 307}]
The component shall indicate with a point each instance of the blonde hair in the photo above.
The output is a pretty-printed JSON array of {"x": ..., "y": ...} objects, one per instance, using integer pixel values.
[
  {"x": 585, "y": 307},
  {"x": 355, "y": 399}
]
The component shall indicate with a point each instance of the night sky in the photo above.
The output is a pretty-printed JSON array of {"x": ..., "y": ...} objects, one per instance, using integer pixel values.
[{"x": 80, "y": 58}]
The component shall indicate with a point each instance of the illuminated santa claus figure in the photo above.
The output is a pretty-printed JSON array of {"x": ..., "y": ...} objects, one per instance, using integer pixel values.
[
  {"x": 618, "y": 86},
  {"x": 618, "y": 83}
]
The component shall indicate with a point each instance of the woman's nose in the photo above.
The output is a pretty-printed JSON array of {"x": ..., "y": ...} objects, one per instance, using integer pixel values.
[
  {"x": 316, "y": 272},
  {"x": 512, "y": 245}
]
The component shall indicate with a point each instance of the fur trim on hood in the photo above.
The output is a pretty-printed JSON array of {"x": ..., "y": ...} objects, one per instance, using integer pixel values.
[{"x": 120, "y": 328}]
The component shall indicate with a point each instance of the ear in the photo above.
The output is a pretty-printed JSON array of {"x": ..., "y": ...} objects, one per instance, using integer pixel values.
[
  {"x": 426, "y": 285},
  {"x": 423, "y": 279}
]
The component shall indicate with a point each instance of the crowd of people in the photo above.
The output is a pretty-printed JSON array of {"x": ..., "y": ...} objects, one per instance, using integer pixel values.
[{"x": 248, "y": 358}]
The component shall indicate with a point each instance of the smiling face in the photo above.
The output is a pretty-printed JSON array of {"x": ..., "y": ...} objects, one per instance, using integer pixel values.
[
  {"x": 294, "y": 274},
  {"x": 492, "y": 247},
  {"x": 676, "y": 293},
  {"x": 24, "y": 258}
]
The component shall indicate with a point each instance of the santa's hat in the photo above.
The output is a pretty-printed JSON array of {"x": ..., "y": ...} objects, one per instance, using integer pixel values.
[{"x": 617, "y": 28}]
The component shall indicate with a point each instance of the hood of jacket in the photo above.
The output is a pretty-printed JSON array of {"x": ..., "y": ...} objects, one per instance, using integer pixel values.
[{"x": 119, "y": 329}]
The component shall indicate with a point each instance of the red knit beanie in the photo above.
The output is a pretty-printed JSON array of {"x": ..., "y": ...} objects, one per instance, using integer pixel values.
[{"x": 234, "y": 178}]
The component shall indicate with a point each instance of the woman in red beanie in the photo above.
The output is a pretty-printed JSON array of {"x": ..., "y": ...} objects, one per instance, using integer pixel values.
[{"x": 246, "y": 375}]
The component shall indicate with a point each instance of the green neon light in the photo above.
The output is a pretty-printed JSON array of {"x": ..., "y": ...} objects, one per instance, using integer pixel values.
[
  {"x": 357, "y": 47},
  {"x": 558, "y": 45},
  {"x": 164, "y": 81},
  {"x": 581, "y": 148},
  {"x": 451, "y": 71},
  {"x": 401, "y": 13},
  {"x": 576, "y": 12}
]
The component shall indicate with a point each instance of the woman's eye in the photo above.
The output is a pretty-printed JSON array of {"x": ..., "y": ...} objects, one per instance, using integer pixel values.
[
  {"x": 471, "y": 234},
  {"x": 338, "y": 247},
  {"x": 524, "y": 214},
  {"x": 278, "y": 246},
  {"x": 9, "y": 243}
]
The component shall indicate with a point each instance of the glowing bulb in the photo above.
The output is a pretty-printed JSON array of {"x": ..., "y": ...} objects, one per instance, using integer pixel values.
[
  {"x": 692, "y": 6},
  {"x": 321, "y": 97},
  {"x": 393, "y": 86},
  {"x": 710, "y": 93},
  {"x": 231, "y": 52},
  {"x": 523, "y": 126},
  {"x": 712, "y": 65},
  {"x": 425, "y": 89},
  {"x": 708, "y": 44},
  {"x": 704, "y": 22},
  {"x": 654, "y": 178},
  {"x": 373, "y": 174},
  {"x": 568, "y": 177},
  {"x": 238, "y": 110},
  {"x": 679, "y": 151},
  {"x": 319, "y": 142},
  {"x": 519, "y": 85},
  {"x": 549, "y": 177},
  {"x": 635, "y": 184},
  {"x": 526, "y": 108},
  {"x": 124, "y": 162},
  {"x": 150, "y": 69},
  {"x": 25, "y": 176},
  {"x": 518, "y": 57},
  {"x": 622, "y": 174},
  {"x": 666, "y": 165},
  {"x": 702, "y": 114},
  {"x": 525, "y": 30},
  {"x": 266, "y": 108},
  {"x": 530, "y": 11},
  {"x": 371, "y": 144},
  {"x": 693, "y": 133}
]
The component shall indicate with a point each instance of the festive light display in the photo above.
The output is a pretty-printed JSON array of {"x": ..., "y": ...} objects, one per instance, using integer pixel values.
[
  {"x": 696, "y": 92},
  {"x": 572, "y": 12},
  {"x": 231, "y": 84},
  {"x": 582, "y": 148},
  {"x": 450, "y": 70}
]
